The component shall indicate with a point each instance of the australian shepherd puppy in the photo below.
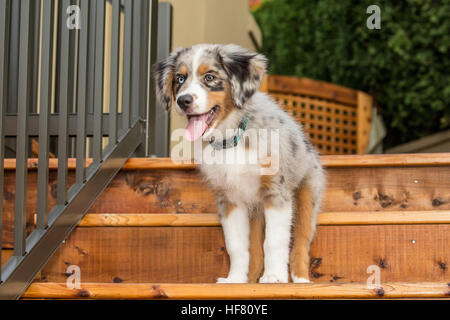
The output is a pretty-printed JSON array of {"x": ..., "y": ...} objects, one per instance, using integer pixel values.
[{"x": 268, "y": 219}]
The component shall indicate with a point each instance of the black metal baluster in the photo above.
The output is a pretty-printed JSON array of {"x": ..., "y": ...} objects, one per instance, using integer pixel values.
[
  {"x": 136, "y": 60},
  {"x": 23, "y": 101},
  {"x": 98, "y": 85},
  {"x": 114, "y": 88},
  {"x": 44, "y": 112},
  {"x": 127, "y": 50},
  {"x": 4, "y": 48},
  {"x": 82, "y": 92},
  {"x": 63, "y": 120}
]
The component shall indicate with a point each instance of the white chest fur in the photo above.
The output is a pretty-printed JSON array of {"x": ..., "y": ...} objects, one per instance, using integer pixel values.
[{"x": 238, "y": 177}]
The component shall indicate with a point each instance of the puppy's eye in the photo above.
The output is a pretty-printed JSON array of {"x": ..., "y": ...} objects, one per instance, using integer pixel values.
[
  {"x": 180, "y": 79},
  {"x": 209, "y": 77}
]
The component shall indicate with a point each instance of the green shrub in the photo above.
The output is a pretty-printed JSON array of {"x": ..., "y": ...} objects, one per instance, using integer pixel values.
[{"x": 404, "y": 65}]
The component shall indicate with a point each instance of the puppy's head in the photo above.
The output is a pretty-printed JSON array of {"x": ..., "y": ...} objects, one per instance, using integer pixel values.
[{"x": 207, "y": 82}]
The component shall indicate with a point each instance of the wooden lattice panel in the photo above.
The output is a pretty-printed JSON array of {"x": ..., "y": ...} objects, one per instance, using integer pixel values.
[
  {"x": 337, "y": 119},
  {"x": 331, "y": 127}
]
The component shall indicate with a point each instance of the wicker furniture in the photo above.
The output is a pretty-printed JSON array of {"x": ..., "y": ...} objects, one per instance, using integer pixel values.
[{"x": 336, "y": 118}]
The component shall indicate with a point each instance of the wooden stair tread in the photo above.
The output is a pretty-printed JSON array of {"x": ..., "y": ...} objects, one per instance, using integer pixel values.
[
  {"x": 212, "y": 219},
  {"x": 369, "y": 183},
  {"x": 342, "y": 253},
  {"x": 237, "y": 291},
  {"x": 367, "y": 160}
]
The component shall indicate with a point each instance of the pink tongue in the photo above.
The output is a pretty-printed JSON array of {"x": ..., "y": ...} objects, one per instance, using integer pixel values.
[{"x": 196, "y": 127}]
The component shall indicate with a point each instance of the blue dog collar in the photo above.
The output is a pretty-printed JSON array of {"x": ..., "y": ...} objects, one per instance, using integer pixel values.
[{"x": 232, "y": 141}]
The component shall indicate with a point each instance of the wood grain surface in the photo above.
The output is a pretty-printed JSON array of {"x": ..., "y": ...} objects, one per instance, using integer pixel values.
[
  {"x": 349, "y": 189},
  {"x": 198, "y": 255},
  {"x": 237, "y": 291}
]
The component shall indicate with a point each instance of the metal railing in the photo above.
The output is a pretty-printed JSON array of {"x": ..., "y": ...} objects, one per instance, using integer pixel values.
[{"x": 70, "y": 92}]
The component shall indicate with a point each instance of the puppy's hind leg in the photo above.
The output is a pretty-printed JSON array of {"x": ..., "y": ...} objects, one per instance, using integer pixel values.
[
  {"x": 236, "y": 229},
  {"x": 304, "y": 227}
]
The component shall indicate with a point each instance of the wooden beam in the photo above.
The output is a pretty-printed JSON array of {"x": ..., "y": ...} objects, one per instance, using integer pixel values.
[
  {"x": 364, "y": 121},
  {"x": 329, "y": 161},
  {"x": 384, "y": 217},
  {"x": 385, "y": 160},
  {"x": 393, "y": 160},
  {"x": 237, "y": 291},
  {"x": 310, "y": 87},
  {"x": 150, "y": 220},
  {"x": 212, "y": 220},
  {"x": 10, "y": 164}
]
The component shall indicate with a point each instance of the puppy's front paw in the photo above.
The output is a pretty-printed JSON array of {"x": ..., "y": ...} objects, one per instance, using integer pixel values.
[
  {"x": 273, "y": 278},
  {"x": 231, "y": 280}
]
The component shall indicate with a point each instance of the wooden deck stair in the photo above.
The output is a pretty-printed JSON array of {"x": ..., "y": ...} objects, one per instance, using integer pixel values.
[{"x": 154, "y": 233}]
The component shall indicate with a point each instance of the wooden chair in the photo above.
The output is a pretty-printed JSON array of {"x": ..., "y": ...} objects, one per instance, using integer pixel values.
[{"x": 337, "y": 119}]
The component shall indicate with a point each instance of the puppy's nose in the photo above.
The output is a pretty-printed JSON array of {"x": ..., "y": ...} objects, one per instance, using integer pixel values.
[{"x": 185, "y": 101}]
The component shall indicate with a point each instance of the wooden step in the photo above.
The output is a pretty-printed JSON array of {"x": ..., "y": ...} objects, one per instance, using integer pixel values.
[
  {"x": 212, "y": 219},
  {"x": 397, "y": 183},
  {"x": 154, "y": 233},
  {"x": 238, "y": 291},
  {"x": 416, "y": 253}
]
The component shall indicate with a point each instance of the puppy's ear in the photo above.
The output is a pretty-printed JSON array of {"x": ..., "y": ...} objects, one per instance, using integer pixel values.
[
  {"x": 163, "y": 74},
  {"x": 245, "y": 69}
]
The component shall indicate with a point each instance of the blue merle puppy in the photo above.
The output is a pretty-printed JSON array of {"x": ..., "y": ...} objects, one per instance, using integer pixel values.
[{"x": 268, "y": 220}]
